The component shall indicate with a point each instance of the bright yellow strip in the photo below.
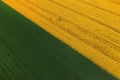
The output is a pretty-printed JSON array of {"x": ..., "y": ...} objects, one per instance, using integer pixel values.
[
  {"x": 106, "y": 5},
  {"x": 90, "y": 30},
  {"x": 115, "y": 1}
]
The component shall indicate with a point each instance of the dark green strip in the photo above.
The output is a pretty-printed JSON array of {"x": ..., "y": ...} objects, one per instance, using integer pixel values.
[{"x": 27, "y": 52}]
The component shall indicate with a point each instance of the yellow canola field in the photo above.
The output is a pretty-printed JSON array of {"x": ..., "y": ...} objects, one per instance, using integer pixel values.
[{"x": 92, "y": 27}]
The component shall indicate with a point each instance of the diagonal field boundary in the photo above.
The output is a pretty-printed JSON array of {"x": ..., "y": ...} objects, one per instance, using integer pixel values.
[{"x": 90, "y": 27}]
